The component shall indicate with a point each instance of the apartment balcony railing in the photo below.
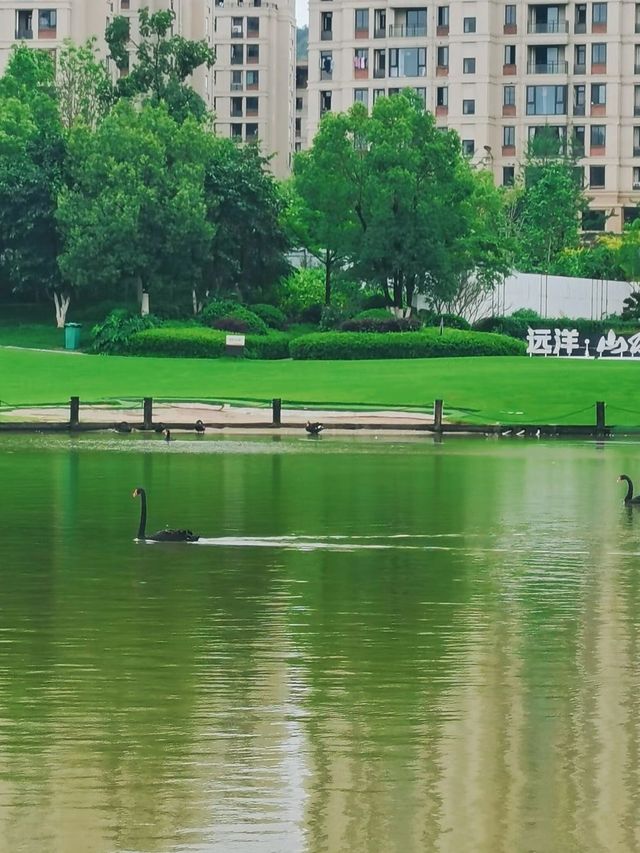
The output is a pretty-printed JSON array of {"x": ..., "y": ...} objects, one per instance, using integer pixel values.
[
  {"x": 548, "y": 68},
  {"x": 548, "y": 27},
  {"x": 236, "y": 87},
  {"x": 407, "y": 32}
]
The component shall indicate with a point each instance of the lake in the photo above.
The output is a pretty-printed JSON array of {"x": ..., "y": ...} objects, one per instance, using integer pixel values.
[{"x": 378, "y": 646}]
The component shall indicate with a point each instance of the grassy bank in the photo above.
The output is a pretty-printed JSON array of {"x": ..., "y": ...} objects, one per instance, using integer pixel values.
[{"x": 482, "y": 389}]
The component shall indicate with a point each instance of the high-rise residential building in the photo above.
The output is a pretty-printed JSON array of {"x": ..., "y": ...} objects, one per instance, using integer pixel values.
[
  {"x": 497, "y": 73},
  {"x": 302, "y": 105},
  {"x": 251, "y": 86}
]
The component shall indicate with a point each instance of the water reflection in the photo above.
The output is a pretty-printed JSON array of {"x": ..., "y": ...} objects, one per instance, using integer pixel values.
[{"x": 398, "y": 647}]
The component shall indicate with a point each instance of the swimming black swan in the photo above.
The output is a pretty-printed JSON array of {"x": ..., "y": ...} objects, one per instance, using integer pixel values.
[
  {"x": 167, "y": 434},
  {"x": 161, "y": 535},
  {"x": 200, "y": 427},
  {"x": 629, "y": 498},
  {"x": 314, "y": 428},
  {"x": 123, "y": 426}
]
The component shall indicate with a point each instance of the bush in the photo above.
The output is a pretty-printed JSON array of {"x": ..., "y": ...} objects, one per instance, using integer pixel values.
[
  {"x": 232, "y": 317},
  {"x": 115, "y": 332},
  {"x": 331, "y": 317},
  {"x": 380, "y": 320},
  {"x": 301, "y": 291},
  {"x": 526, "y": 314},
  {"x": 312, "y": 313},
  {"x": 270, "y": 315},
  {"x": 426, "y": 344},
  {"x": 517, "y": 327},
  {"x": 374, "y": 300},
  {"x": 188, "y": 342},
  {"x": 271, "y": 346}
]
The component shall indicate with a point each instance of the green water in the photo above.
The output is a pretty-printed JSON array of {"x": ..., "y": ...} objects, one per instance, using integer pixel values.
[{"x": 380, "y": 646}]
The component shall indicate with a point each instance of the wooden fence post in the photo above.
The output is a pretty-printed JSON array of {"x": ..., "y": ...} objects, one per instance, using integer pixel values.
[
  {"x": 74, "y": 412},
  {"x": 600, "y": 417},
  {"x": 276, "y": 405},
  {"x": 437, "y": 415},
  {"x": 147, "y": 418}
]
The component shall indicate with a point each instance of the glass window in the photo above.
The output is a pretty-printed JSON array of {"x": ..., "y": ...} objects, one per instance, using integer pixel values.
[
  {"x": 510, "y": 54},
  {"x": 509, "y": 16},
  {"x": 509, "y": 136},
  {"x": 468, "y": 107},
  {"x": 443, "y": 16},
  {"x": 442, "y": 96},
  {"x": 508, "y": 176},
  {"x": 253, "y": 53},
  {"x": 469, "y": 65},
  {"x": 362, "y": 19},
  {"x": 599, "y": 13},
  {"x": 361, "y": 96},
  {"x": 546, "y": 100},
  {"x": 598, "y": 94},
  {"x": 468, "y": 147},
  {"x": 596, "y": 176},
  {"x": 599, "y": 53},
  {"x": 598, "y": 134},
  {"x": 47, "y": 19},
  {"x": 253, "y": 79},
  {"x": 509, "y": 96},
  {"x": 407, "y": 61},
  {"x": 253, "y": 27},
  {"x": 443, "y": 57},
  {"x": 469, "y": 25}
]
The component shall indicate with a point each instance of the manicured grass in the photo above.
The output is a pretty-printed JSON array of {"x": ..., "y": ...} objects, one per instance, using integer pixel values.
[
  {"x": 482, "y": 389},
  {"x": 39, "y": 336}
]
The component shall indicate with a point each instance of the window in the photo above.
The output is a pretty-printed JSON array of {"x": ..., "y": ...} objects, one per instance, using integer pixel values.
[
  {"x": 124, "y": 5},
  {"x": 469, "y": 107},
  {"x": 361, "y": 60},
  {"x": 443, "y": 16},
  {"x": 468, "y": 147},
  {"x": 379, "y": 63},
  {"x": 442, "y": 96},
  {"x": 421, "y": 92},
  {"x": 637, "y": 18},
  {"x": 469, "y": 65},
  {"x": 416, "y": 22},
  {"x": 594, "y": 220},
  {"x": 236, "y": 81},
  {"x": 443, "y": 57},
  {"x": 469, "y": 25},
  {"x": 598, "y": 94},
  {"x": 237, "y": 54},
  {"x": 407, "y": 61},
  {"x": 509, "y": 16},
  {"x": 253, "y": 79},
  {"x": 253, "y": 27},
  {"x": 578, "y": 140},
  {"x": 380, "y": 23},
  {"x": 326, "y": 64},
  {"x": 298, "y": 104},
  {"x": 251, "y": 132},
  {"x": 362, "y": 21},
  {"x": 47, "y": 20},
  {"x": 508, "y": 176},
  {"x": 325, "y": 102},
  {"x": 377, "y": 93},
  {"x": 580, "y": 59},
  {"x": 251, "y": 106},
  {"x": 579, "y": 100},
  {"x": 236, "y": 132},
  {"x": 581, "y": 18},
  {"x": 509, "y": 96},
  {"x": 598, "y": 135},
  {"x": 510, "y": 54},
  {"x": 636, "y": 59},
  {"x": 361, "y": 96},
  {"x": 326, "y": 26},
  {"x": 253, "y": 54},
  {"x": 237, "y": 30},
  {"x": 636, "y": 177},
  {"x": 596, "y": 177},
  {"x": 24, "y": 24},
  {"x": 599, "y": 13},
  {"x": 636, "y": 141},
  {"x": 509, "y": 136},
  {"x": 236, "y": 107},
  {"x": 598, "y": 53},
  {"x": 636, "y": 100},
  {"x": 546, "y": 100}
]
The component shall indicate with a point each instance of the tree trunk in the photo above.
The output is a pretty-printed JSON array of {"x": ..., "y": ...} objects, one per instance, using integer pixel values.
[
  {"x": 144, "y": 307},
  {"x": 61, "y": 301},
  {"x": 327, "y": 278},
  {"x": 197, "y": 303}
]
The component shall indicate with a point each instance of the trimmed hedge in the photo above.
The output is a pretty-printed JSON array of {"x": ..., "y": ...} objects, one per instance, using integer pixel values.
[
  {"x": 272, "y": 316},
  {"x": 380, "y": 320},
  {"x": 517, "y": 327},
  {"x": 197, "y": 342},
  {"x": 426, "y": 344},
  {"x": 232, "y": 317},
  {"x": 193, "y": 342}
]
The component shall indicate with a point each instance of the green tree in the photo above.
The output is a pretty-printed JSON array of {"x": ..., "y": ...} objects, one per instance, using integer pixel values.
[
  {"x": 162, "y": 63},
  {"x": 83, "y": 86},
  {"x": 32, "y": 152},
  {"x": 244, "y": 207},
  {"x": 548, "y": 207},
  {"x": 134, "y": 212}
]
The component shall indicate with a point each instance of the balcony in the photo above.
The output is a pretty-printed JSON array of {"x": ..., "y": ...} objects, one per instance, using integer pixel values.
[
  {"x": 548, "y": 68},
  {"x": 548, "y": 27},
  {"x": 407, "y": 32}
]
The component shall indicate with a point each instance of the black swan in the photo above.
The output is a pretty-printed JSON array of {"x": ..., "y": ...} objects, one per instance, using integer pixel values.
[
  {"x": 161, "y": 535},
  {"x": 167, "y": 434},
  {"x": 629, "y": 498},
  {"x": 200, "y": 427},
  {"x": 123, "y": 426},
  {"x": 314, "y": 428},
  {"x": 159, "y": 427}
]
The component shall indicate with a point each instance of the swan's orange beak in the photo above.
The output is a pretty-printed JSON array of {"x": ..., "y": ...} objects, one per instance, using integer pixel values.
[{"x": 135, "y": 493}]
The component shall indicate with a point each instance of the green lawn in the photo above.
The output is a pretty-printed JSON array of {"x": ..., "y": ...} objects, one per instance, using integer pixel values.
[
  {"x": 35, "y": 335},
  {"x": 481, "y": 389}
]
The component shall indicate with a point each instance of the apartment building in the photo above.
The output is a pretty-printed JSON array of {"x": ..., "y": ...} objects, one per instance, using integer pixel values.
[
  {"x": 252, "y": 85},
  {"x": 497, "y": 73},
  {"x": 302, "y": 105}
]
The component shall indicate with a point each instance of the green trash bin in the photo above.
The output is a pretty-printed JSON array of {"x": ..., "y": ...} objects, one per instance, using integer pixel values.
[{"x": 72, "y": 335}]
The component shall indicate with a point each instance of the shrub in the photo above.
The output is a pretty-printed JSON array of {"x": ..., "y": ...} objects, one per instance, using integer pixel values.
[
  {"x": 374, "y": 300},
  {"x": 312, "y": 313},
  {"x": 426, "y": 344},
  {"x": 271, "y": 346},
  {"x": 189, "y": 342},
  {"x": 233, "y": 317},
  {"x": 453, "y": 321},
  {"x": 271, "y": 315},
  {"x": 331, "y": 317},
  {"x": 380, "y": 320},
  {"x": 300, "y": 291},
  {"x": 116, "y": 330},
  {"x": 517, "y": 327},
  {"x": 526, "y": 314}
]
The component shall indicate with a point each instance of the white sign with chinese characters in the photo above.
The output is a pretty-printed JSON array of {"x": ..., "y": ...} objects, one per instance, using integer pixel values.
[{"x": 567, "y": 343}]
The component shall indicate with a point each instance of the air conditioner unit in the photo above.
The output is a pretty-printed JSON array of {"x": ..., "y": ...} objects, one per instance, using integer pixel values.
[{"x": 236, "y": 30}]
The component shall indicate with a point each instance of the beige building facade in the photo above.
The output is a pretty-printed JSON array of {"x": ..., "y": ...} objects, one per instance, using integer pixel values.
[
  {"x": 497, "y": 73},
  {"x": 251, "y": 88}
]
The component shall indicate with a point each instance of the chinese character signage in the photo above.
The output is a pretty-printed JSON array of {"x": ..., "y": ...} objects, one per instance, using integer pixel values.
[{"x": 567, "y": 343}]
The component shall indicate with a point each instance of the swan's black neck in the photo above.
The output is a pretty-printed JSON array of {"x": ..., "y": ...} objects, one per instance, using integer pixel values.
[
  {"x": 143, "y": 515},
  {"x": 629, "y": 495}
]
